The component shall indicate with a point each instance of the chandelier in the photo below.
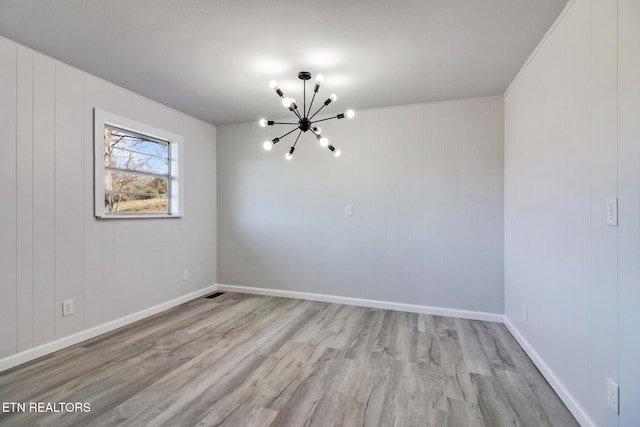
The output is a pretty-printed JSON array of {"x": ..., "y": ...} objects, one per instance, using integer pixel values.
[{"x": 305, "y": 122}]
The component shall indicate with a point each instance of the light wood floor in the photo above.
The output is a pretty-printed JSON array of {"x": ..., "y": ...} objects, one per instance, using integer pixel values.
[{"x": 243, "y": 360}]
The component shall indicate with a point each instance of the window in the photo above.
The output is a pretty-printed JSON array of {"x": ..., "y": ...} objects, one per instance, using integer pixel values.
[{"x": 136, "y": 169}]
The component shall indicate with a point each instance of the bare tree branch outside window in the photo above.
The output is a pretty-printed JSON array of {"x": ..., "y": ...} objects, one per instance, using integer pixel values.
[{"x": 137, "y": 172}]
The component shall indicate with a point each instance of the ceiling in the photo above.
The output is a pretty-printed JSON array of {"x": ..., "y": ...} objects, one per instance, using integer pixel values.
[{"x": 213, "y": 59}]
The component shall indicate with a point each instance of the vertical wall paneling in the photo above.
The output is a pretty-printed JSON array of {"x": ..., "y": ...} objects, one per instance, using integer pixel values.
[
  {"x": 604, "y": 253},
  {"x": 435, "y": 193},
  {"x": 498, "y": 243},
  {"x": 454, "y": 204},
  {"x": 43, "y": 199},
  {"x": 562, "y": 164},
  {"x": 8, "y": 65},
  {"x": 416, "y": 177},
  {"x": 467, "y": 224},
  {"x": 578, "y": 199},
  {"x": 413, "y": 199},
  {"x": 24, "y": 203},
  {"x": 482, "y": 255},
  {"x": 94, "y": 256},
  {"x": 69, "y": 212},
  {"x": 53, "y": 248},
  {"x": 629, "y": 209}
]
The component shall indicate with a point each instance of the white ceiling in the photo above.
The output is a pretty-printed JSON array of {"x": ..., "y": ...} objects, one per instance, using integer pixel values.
[{"x": 213, "y": 59}]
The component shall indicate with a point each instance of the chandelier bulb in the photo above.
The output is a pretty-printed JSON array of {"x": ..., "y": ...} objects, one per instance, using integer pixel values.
[
  {"x": 263, "y": 122},
  {"x": 273, "y": 84},
  {"x": 317, "y": 130},
  {"x": 350, "y": 114},
  {"x": 331, "y": 98},
  {"x": 319, "y": 80},
  {"x": 286, "y": 102},
  {"x": 268, "y": 145},
  {"x": 336, "y": 153},
  {"x": 324, "y": 142},
  {"x": 289, "y": 155}
]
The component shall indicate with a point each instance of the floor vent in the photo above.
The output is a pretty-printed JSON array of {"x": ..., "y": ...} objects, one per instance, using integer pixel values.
[{"x": 215, "y": 295}]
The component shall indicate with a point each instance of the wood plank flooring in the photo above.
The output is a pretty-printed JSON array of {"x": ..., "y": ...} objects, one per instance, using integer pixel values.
[{"x": 246, "y": 360}]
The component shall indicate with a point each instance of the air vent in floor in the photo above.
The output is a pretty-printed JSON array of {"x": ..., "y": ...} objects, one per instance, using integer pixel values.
[{"x": 215, "y": 295}]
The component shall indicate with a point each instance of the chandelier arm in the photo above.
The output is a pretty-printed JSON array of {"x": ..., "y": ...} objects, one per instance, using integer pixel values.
[
  {"x": 295, "y": 111},
  {"x": 297, "y": 138},
  {"x": 311, "y": 104},
  {"x": 304, "y": 98},
  {"x": 291, "y": 131},
  {"x": 285, "y": 123},
  {"x": 324, "y": 120},
  {"x": 319, "y": 109}
]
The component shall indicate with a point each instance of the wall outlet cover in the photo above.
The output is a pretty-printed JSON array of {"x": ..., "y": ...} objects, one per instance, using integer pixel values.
[
  {"x": 612, "y": 395},
  {"x": 612, "y": 212},
  {"x": 67, "y": 307}
]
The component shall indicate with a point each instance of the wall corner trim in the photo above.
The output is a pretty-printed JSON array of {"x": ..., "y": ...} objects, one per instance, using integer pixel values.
[
  {"x": 50, "y": 347},
  {"x": 539, "y": 45},
  {"x": 576, "y": 410},
  {"x": 360, "y": 302}
]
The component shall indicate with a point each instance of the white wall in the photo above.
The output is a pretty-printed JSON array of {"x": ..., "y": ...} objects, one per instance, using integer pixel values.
[
  {"x": 426, "y": 185},
  {"x": 563, "y": 160},
  {"x": 629, "y": 193},
  {"x": 51, "y": 246}
]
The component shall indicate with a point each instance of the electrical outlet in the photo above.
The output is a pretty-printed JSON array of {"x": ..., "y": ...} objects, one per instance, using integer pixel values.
[
  {"x": 612, "y": 395},
  {"x": 348, "y": 210},
  {"x": 185, "y": 275},
  {"x": 67, "y": 307},
  {"x": 525, "y": 313},
  {"x": 612, "y": 212}
]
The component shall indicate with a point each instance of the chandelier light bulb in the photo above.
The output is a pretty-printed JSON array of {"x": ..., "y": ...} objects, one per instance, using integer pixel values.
[
  {"x": 286, "y": 102},
  {"x": 324, "y": 142},
  {"x": 289, "y": 155},
  {"x": 263, "y": 122},
  {"x": 317, "y": 130},
  {"x": 350, "y": 114},
  {"x": 273, "y": 84},
  {"x": 268, "y": 145},
  {"x": 336, "y": 153},
  {"x": 319, "y": 80},
  {"x": 333, "y": 97}
]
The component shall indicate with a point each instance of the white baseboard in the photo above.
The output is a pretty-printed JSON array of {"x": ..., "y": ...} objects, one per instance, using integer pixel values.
[
  {"x": 411, "y": 308},
  {"x": 578, "y": 412},
  {"x": 34, "y": 353}
]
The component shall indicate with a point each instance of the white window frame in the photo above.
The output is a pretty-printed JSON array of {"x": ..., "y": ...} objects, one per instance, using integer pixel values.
[{"x": 176, "y": 178}]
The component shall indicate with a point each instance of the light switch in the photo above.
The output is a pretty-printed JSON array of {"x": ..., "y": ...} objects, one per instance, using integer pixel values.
[
  {"x": 348, "y": 210},
  {"x": 612, "y": 212}
]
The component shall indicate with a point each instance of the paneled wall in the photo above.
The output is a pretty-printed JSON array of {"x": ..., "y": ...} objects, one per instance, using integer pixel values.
[
  {"x": 51, "y": 246},
  {"x": 629, "y": 193},
  {"x": 426, "y": 185},
  {"x": 571, "y": 143}
]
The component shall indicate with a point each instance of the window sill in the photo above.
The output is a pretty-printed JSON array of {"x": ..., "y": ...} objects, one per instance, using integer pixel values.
[{"x": 140, "y": 216}]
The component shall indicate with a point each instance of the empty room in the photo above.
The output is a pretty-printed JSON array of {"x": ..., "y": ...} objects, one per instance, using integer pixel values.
[{"x": 338, "y": 213}]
